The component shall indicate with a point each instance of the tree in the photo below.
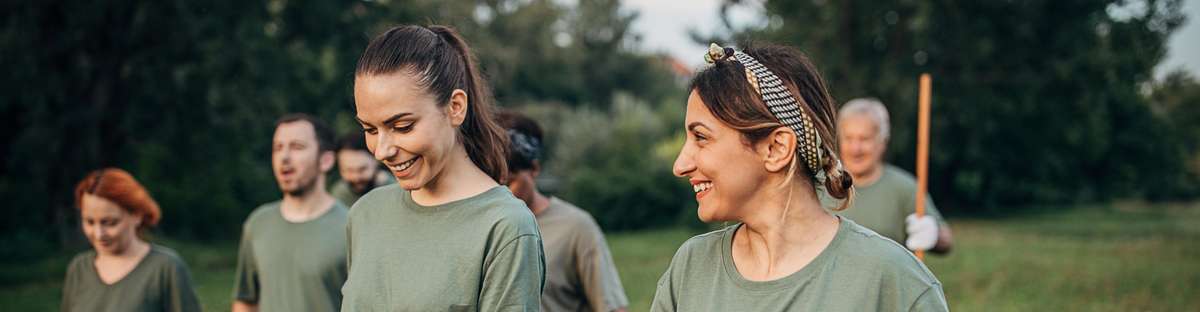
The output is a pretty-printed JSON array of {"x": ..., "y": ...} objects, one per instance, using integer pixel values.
[{"x": 1034, "y": 101}]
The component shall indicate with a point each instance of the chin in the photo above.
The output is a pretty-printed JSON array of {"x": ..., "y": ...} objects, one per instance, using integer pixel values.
[
  {"x": 411, "y": 184},
  {"x": 707, "y": 215}
]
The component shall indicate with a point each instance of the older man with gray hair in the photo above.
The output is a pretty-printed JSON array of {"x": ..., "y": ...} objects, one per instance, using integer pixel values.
[{"x": 885, "y": 194}]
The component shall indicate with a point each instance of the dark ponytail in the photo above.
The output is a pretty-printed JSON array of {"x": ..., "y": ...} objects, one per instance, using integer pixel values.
[{"x": 443, "y": 62}]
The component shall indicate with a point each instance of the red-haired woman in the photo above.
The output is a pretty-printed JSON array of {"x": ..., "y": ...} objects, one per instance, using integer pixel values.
[{"x": 123, "y": 272}]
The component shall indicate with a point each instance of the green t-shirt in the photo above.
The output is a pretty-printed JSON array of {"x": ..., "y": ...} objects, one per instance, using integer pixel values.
[
  {"x": 481, "y": 253},
  {"x": 580, "y": 275},
  {"x": 883, "y": 205},
  {"x": 858, "y": 271},
  {"x": 285, "y": 266},
  {"x": 159, "y": 282},
  {"x": 343, "y": 192}
]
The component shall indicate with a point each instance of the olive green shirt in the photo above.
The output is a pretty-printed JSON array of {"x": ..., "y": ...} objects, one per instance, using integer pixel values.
[
  {"x": 481, "y": 253},
  {"x": 286, "y": 266},
  {"x": 580, "y": 274},
  {"x": 159, "y": 282},
  {"x": 344, "y": 193},
  {"x": 883, "y": 205},
  {"x": 858, "y": 271}
]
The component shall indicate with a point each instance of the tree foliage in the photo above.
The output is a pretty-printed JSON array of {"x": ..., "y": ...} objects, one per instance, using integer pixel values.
[
  {"x": 1034, "y": 100},
  {"x": 184, "y": 94}
]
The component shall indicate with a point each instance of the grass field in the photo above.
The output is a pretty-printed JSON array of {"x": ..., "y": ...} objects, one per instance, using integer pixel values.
[{"x": 1124, "y": 257}]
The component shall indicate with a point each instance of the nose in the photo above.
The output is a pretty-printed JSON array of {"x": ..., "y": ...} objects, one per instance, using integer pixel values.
[
  {"x": 384, "y": 149},
  {"x": 285, "y": 155},
  {"x": 684, "y": 163},
  {"x": 98, "y": 232}
]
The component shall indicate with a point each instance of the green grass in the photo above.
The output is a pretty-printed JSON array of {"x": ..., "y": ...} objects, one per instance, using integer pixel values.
[{"x": 1124, "y": 257}]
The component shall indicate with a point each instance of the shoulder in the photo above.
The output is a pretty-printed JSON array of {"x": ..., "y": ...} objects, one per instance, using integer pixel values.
[
  {"x": 702, "y": 247},
  {"x": 81, "y": 260},
  {"x": 378, "y": 198},
  {"x": 573, "y": 215},
  {"x": 166, "y": 257},
  {"x": 339, "y": 210},
  {"x": 261, "y": 213},
  {"x": 509, "y": 215},
  {"x": 864, "y": 250},
  {"x": 893, "y": 175}
]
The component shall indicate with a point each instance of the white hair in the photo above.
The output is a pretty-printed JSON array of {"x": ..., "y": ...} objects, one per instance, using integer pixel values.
[{"x": 871, "y": 108}]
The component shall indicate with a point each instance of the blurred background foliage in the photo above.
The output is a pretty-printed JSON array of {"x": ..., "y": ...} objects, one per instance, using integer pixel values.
[{"x": 1036, "y": 101}]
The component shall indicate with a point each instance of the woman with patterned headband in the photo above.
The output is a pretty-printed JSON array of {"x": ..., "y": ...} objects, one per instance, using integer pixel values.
[{"x": 760, "y": 141}]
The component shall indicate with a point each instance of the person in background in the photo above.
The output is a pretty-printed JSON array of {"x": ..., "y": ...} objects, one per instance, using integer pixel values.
[
  {"x": 292, "y": 256},
  {"x": 359, "y": 170},
  {"x": 885, "y": 195},
  {"x": 580, "y": 274},
  {"x": 123, "y": 272}
]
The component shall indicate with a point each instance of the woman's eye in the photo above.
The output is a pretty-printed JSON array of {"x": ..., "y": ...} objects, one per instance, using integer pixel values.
[
  {"x": 370, "y": 131},
  {"x": 402, "y": 128}
]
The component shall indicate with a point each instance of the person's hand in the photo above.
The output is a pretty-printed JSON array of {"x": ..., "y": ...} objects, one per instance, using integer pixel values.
[{"x": 922, "y": 232}]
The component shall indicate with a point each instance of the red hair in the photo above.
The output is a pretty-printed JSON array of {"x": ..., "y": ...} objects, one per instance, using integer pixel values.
[{"x": 120, "y": 187}]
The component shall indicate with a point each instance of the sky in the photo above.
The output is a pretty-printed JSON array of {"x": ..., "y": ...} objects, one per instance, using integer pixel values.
[{"x": 664, "y": 27}]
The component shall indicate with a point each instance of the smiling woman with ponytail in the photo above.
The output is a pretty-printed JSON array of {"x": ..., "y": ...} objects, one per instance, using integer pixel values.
[{"x": 447, "y": 235}]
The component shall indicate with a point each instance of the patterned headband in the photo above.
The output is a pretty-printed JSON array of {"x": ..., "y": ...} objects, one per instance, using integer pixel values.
[{"x": 782, "y": 104}]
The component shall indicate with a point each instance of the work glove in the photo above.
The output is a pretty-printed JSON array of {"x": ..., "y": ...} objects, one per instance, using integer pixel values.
[{"x": 922, "y": 232}]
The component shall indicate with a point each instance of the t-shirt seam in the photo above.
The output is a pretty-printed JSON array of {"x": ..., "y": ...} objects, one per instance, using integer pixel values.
[
  {"x": 918, "y": 298},
  {"x": 510, "y": 242}
]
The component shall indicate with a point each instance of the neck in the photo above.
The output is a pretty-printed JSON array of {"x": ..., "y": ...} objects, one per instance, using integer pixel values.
[
  {"x": 460, "y": 178},
  {"x": 309, "y": 205},
  {"x": 788, "y": 227},
  {"x": 135, "y": 250},
  {"x": 869, "y": 176},
  {"x": 539, "y": 203}
]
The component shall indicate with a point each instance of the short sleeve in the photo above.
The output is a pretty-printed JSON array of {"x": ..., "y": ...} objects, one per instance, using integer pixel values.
[
  {"x": 910, "y": 207},
  {"x": 597, "y": 273},
  {"x": 69, "y": 284},
  {"x": 246, "y": 283},
  {"x": 179, "y": 294},
  {"x": 664, "y": 293},
  {"x": 932, "y": 300},
  {"x": 513, "y": 280}
]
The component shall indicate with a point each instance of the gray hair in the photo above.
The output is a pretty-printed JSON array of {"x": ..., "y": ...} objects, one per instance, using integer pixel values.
[{"x": 870, "y": 107}]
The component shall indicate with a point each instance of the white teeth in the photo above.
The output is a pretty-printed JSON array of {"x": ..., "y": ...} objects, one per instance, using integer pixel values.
[
  {"x": 405, "y": 165},
  {"x": 700, "y": 187}
]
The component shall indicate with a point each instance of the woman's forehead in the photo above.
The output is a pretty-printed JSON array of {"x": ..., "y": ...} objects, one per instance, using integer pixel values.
[
  {"x": 382, "y": 97},
  {"x": 96, "y": 205}
]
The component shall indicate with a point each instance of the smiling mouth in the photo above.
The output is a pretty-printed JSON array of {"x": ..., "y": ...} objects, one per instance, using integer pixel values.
[
  {"x": 405, "y": 165},
  {"x": 701, "y": 187}
]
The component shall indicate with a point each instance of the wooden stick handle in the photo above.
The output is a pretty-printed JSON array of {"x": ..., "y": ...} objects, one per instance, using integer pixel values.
[{"x": 923, "y": 147}]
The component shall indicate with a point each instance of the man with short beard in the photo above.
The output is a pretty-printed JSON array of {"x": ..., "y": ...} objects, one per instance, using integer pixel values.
[
  {"x": 358, "y": 168},
  {"x": 293, "y": 251}
]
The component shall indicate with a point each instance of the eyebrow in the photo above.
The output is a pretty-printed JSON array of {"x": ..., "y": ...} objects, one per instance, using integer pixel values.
[
  {"x": 386, "y": 121},
  {"x": 696, "y": 124}
]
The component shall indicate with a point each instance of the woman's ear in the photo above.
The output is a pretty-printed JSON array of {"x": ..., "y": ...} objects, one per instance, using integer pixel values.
[
  {"x": 778, "y": 149},
  {"x": 457, "y": 108}
]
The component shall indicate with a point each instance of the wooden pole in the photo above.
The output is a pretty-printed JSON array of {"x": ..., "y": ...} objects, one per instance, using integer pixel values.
[{"x": 923, "y": 148}]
